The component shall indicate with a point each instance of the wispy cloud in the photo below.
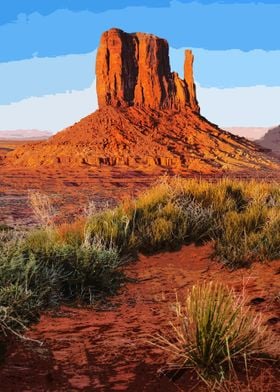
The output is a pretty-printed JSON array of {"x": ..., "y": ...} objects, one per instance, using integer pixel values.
[
  {"x": 50, "y": 112},
  {"x": 241, "y": 106}
]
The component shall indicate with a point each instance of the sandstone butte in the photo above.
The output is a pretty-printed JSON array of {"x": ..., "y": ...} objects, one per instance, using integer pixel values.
[{"x": 148, "y": 116}]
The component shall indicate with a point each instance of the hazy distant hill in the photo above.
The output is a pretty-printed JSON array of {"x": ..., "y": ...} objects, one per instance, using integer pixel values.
[
  {"x": 271, "y": 140},
  {"x": 24, "y": 134},
  {"x": 251, "y": 133}
]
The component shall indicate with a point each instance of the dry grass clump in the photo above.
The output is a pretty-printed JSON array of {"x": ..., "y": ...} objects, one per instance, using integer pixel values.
[
  {"x": 213, "y": 330},
  {"x": 37, "y": 271},
  {"x": 71, "y": 233},
  {"x": 113, "y": 227},
  {"x": 43, "y": 208}
]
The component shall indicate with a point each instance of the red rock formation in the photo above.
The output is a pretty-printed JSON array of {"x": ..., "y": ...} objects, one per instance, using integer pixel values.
[
  {"x": 271, "y": 140},
  {"x": 189, "y": 80},
  {"x": 134, "y": 69},
  {"x": 116, "y": 69},
  {"x": 148, "y": 116}
]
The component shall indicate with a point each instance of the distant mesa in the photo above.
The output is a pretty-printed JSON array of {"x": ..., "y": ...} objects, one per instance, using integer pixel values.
[
  {"x": 148, "y": 116},
  {"x": 271, "y": 140},
  {"x": 251, "y": 133},
  {"x": 24, "y": 134}
]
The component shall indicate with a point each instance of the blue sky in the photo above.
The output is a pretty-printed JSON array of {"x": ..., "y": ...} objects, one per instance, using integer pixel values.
[{"x": 48, "y": 52}]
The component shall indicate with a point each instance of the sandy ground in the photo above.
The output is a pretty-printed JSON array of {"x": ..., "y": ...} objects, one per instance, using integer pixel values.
[
  {"x": 107, "y": 349},
  {"x": 71, "y": 190}
]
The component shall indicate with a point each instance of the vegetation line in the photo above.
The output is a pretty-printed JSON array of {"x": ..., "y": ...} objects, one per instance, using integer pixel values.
[{"x": 81, "y": 260}]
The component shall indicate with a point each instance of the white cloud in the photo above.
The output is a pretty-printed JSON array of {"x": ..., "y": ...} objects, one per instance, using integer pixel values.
[
  {"x": 256, "y": 106},
  {"x": 243, "y": 106},
  {"x": 50, "y": 112}
]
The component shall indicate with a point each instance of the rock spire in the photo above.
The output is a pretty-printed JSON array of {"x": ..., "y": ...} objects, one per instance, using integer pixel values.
[{"x": 134, "y": 69}]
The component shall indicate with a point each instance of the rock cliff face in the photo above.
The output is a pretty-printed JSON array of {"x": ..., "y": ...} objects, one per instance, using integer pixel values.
[
  {"x": 148, "y": 116},
  {"x": 271, "y": 140},
  {"x": 134, "y": 69},
  {"x": 189, "y": 80}
]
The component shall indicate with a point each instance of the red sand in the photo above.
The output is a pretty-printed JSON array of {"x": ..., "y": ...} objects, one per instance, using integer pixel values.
[
  {"x": 107, "y": 350},
  {"x": 71, "y": 190}
]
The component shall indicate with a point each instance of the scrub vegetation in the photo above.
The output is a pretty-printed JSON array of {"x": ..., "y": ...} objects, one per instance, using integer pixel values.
[{"x": 80, "y": 261}]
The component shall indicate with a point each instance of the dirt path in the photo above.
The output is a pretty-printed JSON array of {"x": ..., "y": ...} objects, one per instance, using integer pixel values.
[{"x": 107, "y": 350}]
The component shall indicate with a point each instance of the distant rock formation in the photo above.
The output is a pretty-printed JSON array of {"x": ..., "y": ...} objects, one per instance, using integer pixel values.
[
  {"x": 271, "y": 140},
  {"x": 24, "y": 134},
  {"x": 251, "y": 133},
  {"x": 148, "y": 116},
  {"x": 134, "y": 69}
]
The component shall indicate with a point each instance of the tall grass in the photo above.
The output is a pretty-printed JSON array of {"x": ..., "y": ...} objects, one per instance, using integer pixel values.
[
  {"x": 212, "y": 329},
  {"x": 42, "y": 207},
  {"x": 39, "y": 270},
  {"x": 241, "y": 217}
]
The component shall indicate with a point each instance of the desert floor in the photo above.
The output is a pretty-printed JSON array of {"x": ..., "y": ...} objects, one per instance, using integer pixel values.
[{"x": 107, "y": 348}]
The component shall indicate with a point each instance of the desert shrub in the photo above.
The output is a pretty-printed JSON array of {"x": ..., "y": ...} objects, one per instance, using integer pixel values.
[
  {"x": 272, "y": 196},
  {"x": 42, "y": 207},
  {"x": 200, "y": 222},
  {"x": 161, "y": 218},
  {"x": 209, "y": 195},
  {"x": 211, "y": 331},
  {"x": 78, "y": 268},
  {"x": 268, "y": 244},
  {"x": 158, "y": 226},
  {"x": 38, "y": 272},
  {"x": 71, "y": 233},
  {"x": 157, "y": 195},
  {"x": 113, "y": 227},
  {"x": 39, "y": 240},
  {"x": 85, "y": 270},
  {"x": 177, "y": 211},
  {"x": 237, "y": 239},
  {"x": 24, "y": 286},
  {"x": 18, "y": 308}
]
